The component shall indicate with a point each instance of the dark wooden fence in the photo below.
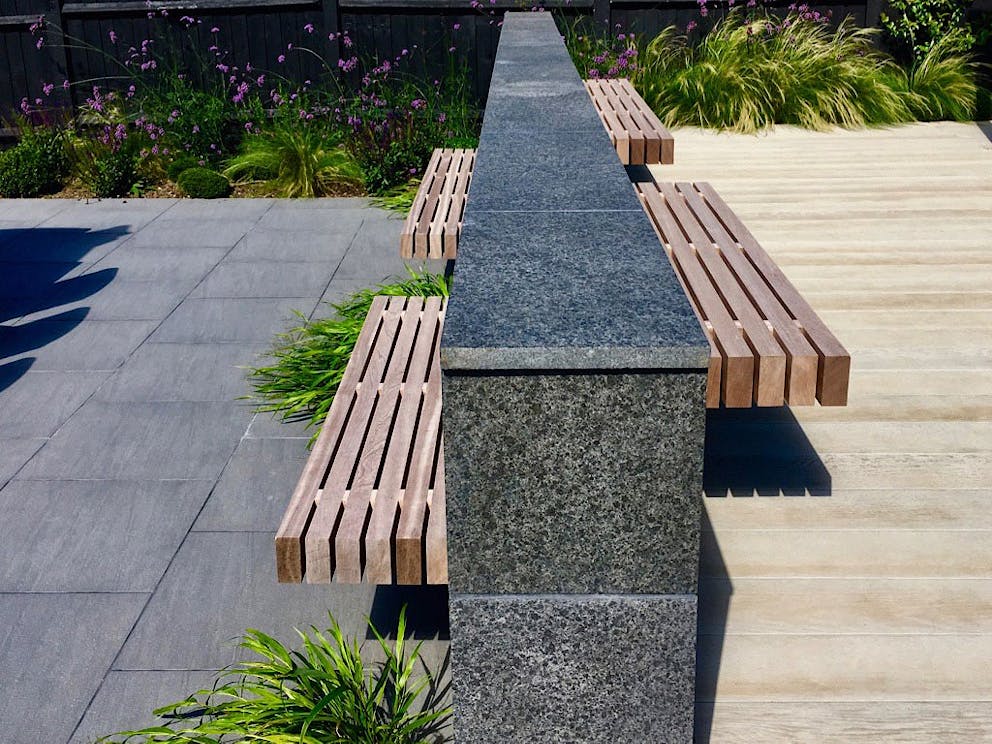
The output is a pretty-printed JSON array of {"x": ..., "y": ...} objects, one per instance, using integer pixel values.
[{"x": 258, "y": 31}]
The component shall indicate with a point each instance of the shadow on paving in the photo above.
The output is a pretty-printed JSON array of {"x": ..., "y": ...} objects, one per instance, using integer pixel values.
[
  {"x": 763, "y": 452},
  {"x": 715, "y": 592},
  {"x": 34, "y": 263}
]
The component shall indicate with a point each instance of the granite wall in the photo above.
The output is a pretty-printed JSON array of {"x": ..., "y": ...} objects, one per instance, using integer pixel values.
[{"x": 574, "y": 383}]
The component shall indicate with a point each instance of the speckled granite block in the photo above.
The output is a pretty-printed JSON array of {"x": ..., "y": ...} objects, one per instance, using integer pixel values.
[
  {"x": 585, "y": 483},
  {"x": 589, "y": 669}
]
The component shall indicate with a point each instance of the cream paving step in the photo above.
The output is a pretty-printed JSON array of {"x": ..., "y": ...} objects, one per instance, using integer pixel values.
[
  {"x": 976, "y": 299},
  {"x": 847, "y": 553},
  {"x": 913, "y": 406},
  {"x": 786, "y": 256},
  {"x": 932, "y": 509},
  {"x": 923, "y": 320},
  {"x": 934, "y": 383},
  {"x": 919, "y": 357},
  {"x": 845, "y": 606},
  {"x": 845, "y": 723},
  {"x": 947, "y": 278},
  {"x": 894, "y": 668}
]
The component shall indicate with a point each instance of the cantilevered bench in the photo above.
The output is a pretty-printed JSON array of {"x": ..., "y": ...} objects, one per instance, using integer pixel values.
[
  {"x": 767, "y": 345},
  {"x": 434, "y": 223},
  {"x": 370, "y": 503},
  {"x": 636, "y": 132}
]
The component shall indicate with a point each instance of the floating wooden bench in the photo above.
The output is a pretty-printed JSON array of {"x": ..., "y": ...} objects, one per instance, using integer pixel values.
[
  {"x": 434, "y": 223},
  {"x": 638, "y": 135},
  {"x": 767, "y": 345},
  {"x": 370, "y": 503}
]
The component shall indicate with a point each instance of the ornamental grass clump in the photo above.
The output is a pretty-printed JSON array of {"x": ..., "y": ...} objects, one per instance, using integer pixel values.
[
  {"x": 324, "y": 693},
  {"x": 942, "y": 83},
  {"x": 749, "y": 73},
  {"x": 309, "y": 361}
]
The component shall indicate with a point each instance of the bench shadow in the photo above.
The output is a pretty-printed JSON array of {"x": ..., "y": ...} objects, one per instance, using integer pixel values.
[
  {"x": 426, "y": 611},
  {"x": 763, "y": 452},
  {"x": 11, "y": 372},
  {"x": 986, "y": 128}
]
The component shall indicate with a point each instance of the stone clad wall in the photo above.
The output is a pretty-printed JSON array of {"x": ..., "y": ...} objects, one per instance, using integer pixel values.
[{"x": 574, "y": 382}]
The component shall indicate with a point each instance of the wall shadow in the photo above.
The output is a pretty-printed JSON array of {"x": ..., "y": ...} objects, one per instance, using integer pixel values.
[
  {"x": 763, "y": 452},
  {"x": 715, "y": 591},
  {"x": 986, "y": 128},
  {"x": 11, "y": 372}
]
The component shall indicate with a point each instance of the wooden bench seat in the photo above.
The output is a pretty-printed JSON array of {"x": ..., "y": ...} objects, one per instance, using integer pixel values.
[
  {"x": 636, "y": 132},
  {"x": 434, "y": 223},
  {"x": 768, "y": 346},
  {"x": 370, "y": 503}
]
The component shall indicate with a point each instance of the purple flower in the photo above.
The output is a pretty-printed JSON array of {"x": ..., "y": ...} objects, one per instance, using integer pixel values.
[
  {"x": 457, "y": 26},
  {"x": 65, "y": 85},
  {"x": 308, "y": 28},
  {"x": 215, "y": 30},
  {"x": 418, "y": 103},
  {"x": 40, "y": 43},
  {"x": 47, "y": 88},
  {"x": 260, "y": 81},
  {"x": 248, "y": 126},
  {"x": 281, "y": 58},
  {"x": 112, "y": 35},
  {"x": 690, "y": 27},
  {"x": 196, "y": 129},
  {"x": 404, "y": 52}
]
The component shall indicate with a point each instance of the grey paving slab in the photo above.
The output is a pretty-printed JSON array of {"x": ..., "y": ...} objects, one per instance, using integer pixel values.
[
  {"x": 31, "y": 278},
  {"x": 126, "y": 700},
  {"x": 339, "y": 290},
  {"x": 119, "y": 300},
  {"x": 267, "y": 279},
  {"x": 14, "y": 453},
  {"x": 54, "y": 650},
  {"x": 220, "y": 209},
  {"x": 72, "y": 243},
  {"x": 270, "y": 426},
  {"x": 31, "y": 211},
  {"x": 316, "y": 217},
  {"x": 132, "y": 214},
  {"x": 178, "y": 231},
  {"x": 37, "y": 403},
  {"x": 294, "y": 244},
  {"x": 190, "y": 372},
  {"x": 254, "y": 490},
  {"x": 219, "y": 584},
  {"x": 232, "y": 320},
  {"x": 171, "y": 263},
  {"x": 35, "y": 292},
  {"x": 69, "y": 342},
  {"x": 123, "y": 533},
  {"x": 138, "y": 441},
  {"x": 340, "y": 203},
  {"x": 375, "y": 252}
]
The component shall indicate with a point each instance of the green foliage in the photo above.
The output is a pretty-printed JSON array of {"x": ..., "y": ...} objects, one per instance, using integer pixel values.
[
  {"x": 179, "y": 164},
  {"x": 597, "y": 51},
  {"x": 115, "y": 174},
  {"x": 38, "y": 164},
  {"x": 309, "y": 361},
  {"x": 321, "y": 694},
  {"x": 298, "y": 160},
  {"x": 942, "y": 84},
  {"x": 913, "y": 27},
  {"x": 203, "y": 183},
  {"x": 398, "y": 199},
  {"x": 401, "y": 159},
  {"x": 748, "y": 76}
]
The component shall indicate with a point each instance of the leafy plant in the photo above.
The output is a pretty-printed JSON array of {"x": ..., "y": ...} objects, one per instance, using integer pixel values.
[
  {"x": 180, "y": 163},
  {"x": 598, "y": 52},
  {"x": 115, "y": 174},
  {"x": 398, "y": 199},
  {"x": 321, "y": 694},
  {"x": 747, "y": 76},
  {"x": 309, "y": 361},
  {"x": 36, "y": 165},
  {"x": 942, "y": 84},
  {"x": 913, "y": 27},
  {"x": 302, "y": 160},
  {"x": 203, "y": 183}
]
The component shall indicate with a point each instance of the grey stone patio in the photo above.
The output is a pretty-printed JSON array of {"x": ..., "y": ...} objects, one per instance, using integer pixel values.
[{"x": 138, "y": 495}]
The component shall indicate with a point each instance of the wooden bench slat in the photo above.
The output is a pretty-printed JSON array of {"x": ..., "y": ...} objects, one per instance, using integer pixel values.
[
  {"x": 833, "y": 376},
  {"x": 434, "y": 222},
  {"x": 437, "y": 528},
  {"x": 417, "y": 208},
  {"x": 769, "y": 381},
  {"x": 801, "y": 358},
  {"x": 349, "y": 534},
  {"x": 290, "y": 555},
  {"x": 463, "y": 182},
  {"x": 636, "y": 132},
  {"x": 422, "y": 234},
  {"x": 653, "y": 123},
  {"x": 318, "y": 542},
  {"x": 378, "y": 539},
  {"x": 735, "y": 382}
]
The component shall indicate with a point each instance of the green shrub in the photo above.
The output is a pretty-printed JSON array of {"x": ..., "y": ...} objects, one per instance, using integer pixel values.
[
  {"x": 115, "y": 174},
  {"x": 35, "y": 166},
  {"x": 393, "y": 166},
  {"x": 309, "y": 361},
  {"x": 913, "y": 27},
  {"x": 942, "y": 84},
  {"x": 398, "y": 199},
  {"x": 203, "y": 183},
  {"x": 321, "y": 694},
  {"x": 179, "y": 164},
  {"x": 748, "y": 76},
  {"x": 297, "y": 159}
]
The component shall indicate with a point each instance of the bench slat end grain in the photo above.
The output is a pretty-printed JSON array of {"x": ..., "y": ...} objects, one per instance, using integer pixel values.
[
  {"x": 369, "y": 505},
  {"x": 635, "y": 130},
  {"x": 432, "y": 227},
  {"x": 773, "y": 346}
]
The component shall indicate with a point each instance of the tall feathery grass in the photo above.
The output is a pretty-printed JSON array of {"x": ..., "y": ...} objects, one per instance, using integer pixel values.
[
  {"x": 308, "y": 362},
  {"x": 748, "y": 74},
  {"x": 323, "y": 693}
]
